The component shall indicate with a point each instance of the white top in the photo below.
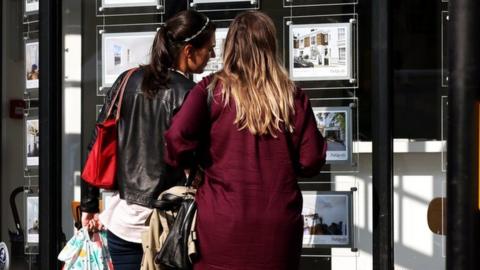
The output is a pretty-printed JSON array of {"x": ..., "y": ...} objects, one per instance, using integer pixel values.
[{"x": 126, "y": 221}]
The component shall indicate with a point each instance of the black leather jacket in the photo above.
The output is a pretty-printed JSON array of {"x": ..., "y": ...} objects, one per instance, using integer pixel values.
[{"x": 141, "y": 172}]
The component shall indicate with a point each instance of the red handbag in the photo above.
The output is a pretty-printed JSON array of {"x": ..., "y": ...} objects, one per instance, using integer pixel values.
[{"x": 101, "y": 165}]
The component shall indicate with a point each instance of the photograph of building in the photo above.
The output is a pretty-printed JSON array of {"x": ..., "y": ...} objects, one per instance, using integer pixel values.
[
  {"x": 335, "y": 125},
  {"x": 320, "y": 51}
]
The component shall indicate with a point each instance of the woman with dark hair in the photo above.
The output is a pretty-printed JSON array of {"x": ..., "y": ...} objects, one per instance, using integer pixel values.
[
  {"x": 152, "y": 95},
  {"x": 260, "y": 134}
]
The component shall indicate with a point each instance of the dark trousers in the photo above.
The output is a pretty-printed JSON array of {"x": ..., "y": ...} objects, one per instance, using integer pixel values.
[{"x": 125, "y": 255}]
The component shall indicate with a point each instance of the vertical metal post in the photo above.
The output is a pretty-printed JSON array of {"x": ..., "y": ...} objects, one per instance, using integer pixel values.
[
  {"x": 50, "y": 121},
  {"x": 382, "y": 141},
  {"x": 463, "y": 224}
]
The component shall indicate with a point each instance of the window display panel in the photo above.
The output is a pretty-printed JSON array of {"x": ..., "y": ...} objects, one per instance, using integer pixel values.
[
  {"x": 327, "y": 218},
  {"x": 330, "y": 218},
  {"x": 307, "y": 3},
  {"x": 444, "y": 33},
  {"x": 120, "y": 51},
  {"x": 216, "y": 63},
  {"x": 320, "y": 54},
  {"x": 31, "y": 6},
  {"x": 31, "y": 64},
  {"x": 129, "y": 7},
  {"x": 32, "y": 141},
  {"x": 32, "y": 219},
  {"x": 335, "y": 124},
  {"x": 195, "y": 2},
  {"x": 444, "y": 136},
  {"x": 337, "y": 120},
  {"x": 129, "y": 3},
  {"x": 219, "y": 5}
]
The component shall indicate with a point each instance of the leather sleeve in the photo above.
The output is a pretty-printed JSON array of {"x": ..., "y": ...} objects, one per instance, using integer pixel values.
[
  {"x": 89, "y": 198},
  {"x": 89, "y": 193}
]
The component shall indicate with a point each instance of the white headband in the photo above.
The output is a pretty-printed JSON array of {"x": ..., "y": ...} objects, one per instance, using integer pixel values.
[{"x": 199, "y": 31}]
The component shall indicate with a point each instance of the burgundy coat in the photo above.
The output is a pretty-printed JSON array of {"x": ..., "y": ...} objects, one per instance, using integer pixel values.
[{"x": 249, "y": 207}]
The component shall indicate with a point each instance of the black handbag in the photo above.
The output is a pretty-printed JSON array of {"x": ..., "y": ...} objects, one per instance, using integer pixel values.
[{"x": 174, "y": 253}]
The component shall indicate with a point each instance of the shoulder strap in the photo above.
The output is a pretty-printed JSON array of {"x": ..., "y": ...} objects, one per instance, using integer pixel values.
[{"x": 117, "y": 99}]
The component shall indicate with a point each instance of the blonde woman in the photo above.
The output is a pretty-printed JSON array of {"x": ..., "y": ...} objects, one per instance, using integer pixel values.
[{"x": 255, "y": 135}]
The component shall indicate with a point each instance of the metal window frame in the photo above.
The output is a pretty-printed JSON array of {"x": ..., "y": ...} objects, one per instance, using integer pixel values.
[{"x": 50, "y": 123}]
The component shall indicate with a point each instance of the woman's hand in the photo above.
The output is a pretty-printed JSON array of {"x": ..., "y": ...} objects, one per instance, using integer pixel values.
[{"x": 91, "y": 221}]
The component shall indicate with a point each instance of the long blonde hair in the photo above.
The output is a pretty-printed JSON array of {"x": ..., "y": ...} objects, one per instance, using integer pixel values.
[{"x": 254, "y": 77}]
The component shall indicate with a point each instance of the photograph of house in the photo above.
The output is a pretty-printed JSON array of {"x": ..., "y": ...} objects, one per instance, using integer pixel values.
[
  {"x": 320, "y": 51},
  {"x": 335, "y": 125}
]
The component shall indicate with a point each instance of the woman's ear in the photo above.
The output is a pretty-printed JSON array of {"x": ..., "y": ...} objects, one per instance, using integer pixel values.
[{"x": 188, "y": 50}]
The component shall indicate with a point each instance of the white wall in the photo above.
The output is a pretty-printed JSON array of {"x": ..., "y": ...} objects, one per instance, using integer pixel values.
[{"x": 418, "y": 179}]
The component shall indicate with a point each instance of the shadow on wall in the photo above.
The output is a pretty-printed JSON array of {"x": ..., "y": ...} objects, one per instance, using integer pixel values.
[{"x": 418, "y": 179}]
